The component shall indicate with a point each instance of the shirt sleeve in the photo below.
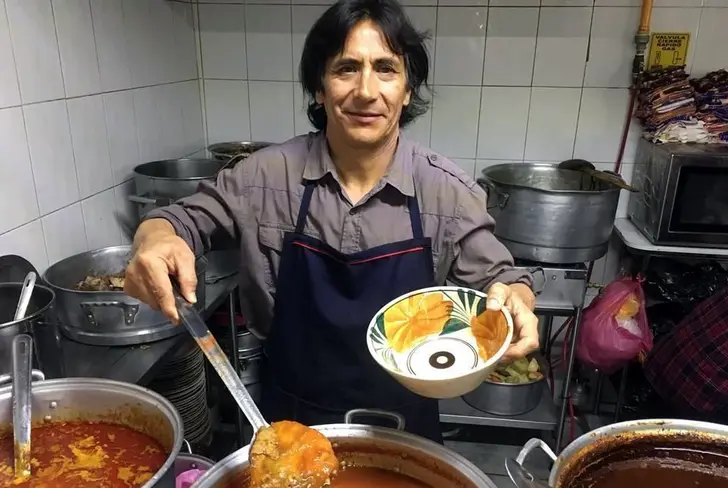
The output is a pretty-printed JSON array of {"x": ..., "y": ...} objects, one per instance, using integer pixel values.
[
  {"x": 207, "y": 219},
  {"x": 480, "y": 260}
]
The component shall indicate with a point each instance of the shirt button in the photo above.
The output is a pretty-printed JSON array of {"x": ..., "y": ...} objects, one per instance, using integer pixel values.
[{"x": 433, "y": 157}]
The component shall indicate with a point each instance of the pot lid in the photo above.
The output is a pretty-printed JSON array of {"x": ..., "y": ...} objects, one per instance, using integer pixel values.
[{"x": 13, "y": 268}]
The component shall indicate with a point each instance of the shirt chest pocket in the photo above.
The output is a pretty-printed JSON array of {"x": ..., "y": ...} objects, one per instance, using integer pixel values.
[{"x": 270, "y": 241}]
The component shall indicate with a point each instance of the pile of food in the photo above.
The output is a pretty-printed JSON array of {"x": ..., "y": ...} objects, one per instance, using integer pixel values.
[
  {"x": 518, "y": 372},
  {"x": 84, "y": 455},
  {"x": 290, "y": 455},
  {"x": 113, "y": 282}
]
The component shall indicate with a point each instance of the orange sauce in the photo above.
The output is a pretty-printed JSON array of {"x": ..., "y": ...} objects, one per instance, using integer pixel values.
[
  {"x": 84, "y": 455},
  {"x": 374, "y": 478}
]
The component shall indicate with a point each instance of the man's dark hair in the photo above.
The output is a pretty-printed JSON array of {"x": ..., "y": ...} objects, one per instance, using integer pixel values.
[{"x": 328, "y": 37}]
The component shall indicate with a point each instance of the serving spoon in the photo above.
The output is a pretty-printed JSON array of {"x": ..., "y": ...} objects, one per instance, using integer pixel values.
[
  {"x": 25, "y": 293},
  {"x": 22, "y": 358},
  {"x": 279, "y": 443}
]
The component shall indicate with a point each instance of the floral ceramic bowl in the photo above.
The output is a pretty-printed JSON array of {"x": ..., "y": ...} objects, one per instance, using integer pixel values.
[{"x": 439, "y": 342}]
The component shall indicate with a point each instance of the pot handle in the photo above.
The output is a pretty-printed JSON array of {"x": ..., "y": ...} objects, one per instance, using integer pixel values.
[
  {"x": 502, "y": 197},
  {"x": 35, "y": 375},
  {"x": 530, "y": 446},
  {"x": 373, "y": 412},
  {"x": 144, "y": 200},
  {"x": 186, "y": 444},
  {"x": 537, "y": 290},
  {"x": 130, "y": 310}
]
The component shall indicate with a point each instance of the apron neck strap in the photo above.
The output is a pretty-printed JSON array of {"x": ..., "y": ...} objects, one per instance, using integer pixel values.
[
  {"x": 412, "y": 204},
  {"x": 303, "y": 209},
  {"x": 414, "y": 211}
]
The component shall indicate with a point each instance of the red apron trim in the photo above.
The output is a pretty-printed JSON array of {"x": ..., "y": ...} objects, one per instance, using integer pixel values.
[{"x": 388, "y": 255}]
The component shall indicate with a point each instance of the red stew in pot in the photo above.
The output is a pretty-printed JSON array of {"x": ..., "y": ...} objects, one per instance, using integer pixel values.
[
  {"x": 84, "y": 455},
  {"x": 374, "y": 478}
]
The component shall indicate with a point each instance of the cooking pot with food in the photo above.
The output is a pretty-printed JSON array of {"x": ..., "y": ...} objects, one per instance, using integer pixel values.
[
  {"x": 92, "y": 307},
  {"x": 548, "y": 214},
  {"x": 386, "y": 455},
  {"x": 110, "y": 428},
  {"x": 647, "y": 453}
]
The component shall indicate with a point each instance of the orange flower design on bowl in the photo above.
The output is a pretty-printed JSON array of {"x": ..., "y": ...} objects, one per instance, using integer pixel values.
[
  {"x": 415, "y": 318},
  {"x": 490, "y": 330}
]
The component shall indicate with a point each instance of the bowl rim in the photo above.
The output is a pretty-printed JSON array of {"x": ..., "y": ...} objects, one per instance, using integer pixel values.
[{"x": 486, "y": 364}]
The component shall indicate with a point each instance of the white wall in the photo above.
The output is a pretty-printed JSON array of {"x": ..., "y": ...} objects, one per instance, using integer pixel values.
[
  {"x": 88, "y": 90},
  {"x": 511, "y": 77}
]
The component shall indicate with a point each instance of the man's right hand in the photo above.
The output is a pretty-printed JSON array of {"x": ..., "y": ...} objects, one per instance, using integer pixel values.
[{"x": 158, "y": 255}]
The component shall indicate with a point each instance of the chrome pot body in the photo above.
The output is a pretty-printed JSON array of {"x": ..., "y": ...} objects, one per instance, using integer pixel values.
[
  {"x": 39, "y": 323},
  {"x": 160, "y": 183},
  {"x": 609, "y": 438},
  {"x": 93, "y": 399},
  {"x": 368, "y": 446},
  {"x": 507, "y": 399},
  {"x": 551, "y": 215},
  {"x": 108, "y": 318}
]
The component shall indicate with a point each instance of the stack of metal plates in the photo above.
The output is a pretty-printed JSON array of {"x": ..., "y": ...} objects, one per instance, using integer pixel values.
[{"x": 182, "y": 381}]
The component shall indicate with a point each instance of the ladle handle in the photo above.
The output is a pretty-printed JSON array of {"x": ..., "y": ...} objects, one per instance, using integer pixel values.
[
  {"x": 22, "y": 357},
  {"x": 25, "y": 293},
  {"x": 207, "y": 342}
]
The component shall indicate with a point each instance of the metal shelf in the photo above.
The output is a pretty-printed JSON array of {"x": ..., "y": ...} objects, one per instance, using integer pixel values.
[{"x": 543, "y": 417}]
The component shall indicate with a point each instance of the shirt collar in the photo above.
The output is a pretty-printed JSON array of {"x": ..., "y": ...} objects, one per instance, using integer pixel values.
[{"x": 399, "y": 174}]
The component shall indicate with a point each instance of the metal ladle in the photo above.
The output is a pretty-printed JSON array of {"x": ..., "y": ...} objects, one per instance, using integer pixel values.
[
  {"x": 207, "y": 342},
  {"x": 588, "y": 168},
  {"x": 25, "y": 293},
  {"x": 22, "y": 357}
]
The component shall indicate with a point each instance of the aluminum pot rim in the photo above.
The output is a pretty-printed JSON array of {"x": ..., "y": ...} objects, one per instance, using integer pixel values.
[
  {"x": 485, "y": 174},
  {"x": 163, "y": 405},
  {"x": 570, "y": 454},
  {"x": 442, "y": 454},
  {"x": 35, "y": 314},
  {"x": 57, "y": 264},
  {"x": 139, "y": 169},
  {"x": 215, "y": 147}
]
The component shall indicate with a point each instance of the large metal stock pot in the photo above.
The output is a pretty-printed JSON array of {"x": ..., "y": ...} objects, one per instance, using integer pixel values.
[
  {"x": 92, "y": 399},
  {"x": 550, "y": 215},
  {"x": 624, "y": 440},
  {"x": 108, "y": 318},
  {"x": 160, "y": 183},
  {"x": 368, "y": 446}
]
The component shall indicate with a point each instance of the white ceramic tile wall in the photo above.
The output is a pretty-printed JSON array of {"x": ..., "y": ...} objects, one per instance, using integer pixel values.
[
  {"x": 511, "y": 78},
  {"x": 88, "y": 90}
]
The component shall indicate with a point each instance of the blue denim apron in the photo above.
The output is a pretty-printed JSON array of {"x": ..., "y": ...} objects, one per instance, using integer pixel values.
[{"x": 317, "y": 363}]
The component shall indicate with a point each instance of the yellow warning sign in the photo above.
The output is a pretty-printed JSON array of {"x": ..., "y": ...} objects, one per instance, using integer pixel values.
[{"x": 668, "y": 49}]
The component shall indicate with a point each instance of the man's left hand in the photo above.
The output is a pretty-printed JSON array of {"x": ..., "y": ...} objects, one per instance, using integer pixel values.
[{"x": 520, "y": 302}]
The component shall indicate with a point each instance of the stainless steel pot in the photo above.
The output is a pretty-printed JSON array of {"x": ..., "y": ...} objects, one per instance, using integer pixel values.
[
  {"x": 550, "y": 215},
  {"x": 364, "y": 445},
  {"x": 160, "y": 183},
  {"x": 39, "y": 323},
  {"x": 108, "y": 318},
  {"x": 595, "y": 445},
  {"x": 507, "y": 399},
  {"x": 224, "y": 151},
  {"x": 110, "y": 401},
  {"x": 186, "y": 462}
]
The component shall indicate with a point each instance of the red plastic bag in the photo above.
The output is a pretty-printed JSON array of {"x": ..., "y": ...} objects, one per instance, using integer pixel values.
[{"x": 614, "y": 327}]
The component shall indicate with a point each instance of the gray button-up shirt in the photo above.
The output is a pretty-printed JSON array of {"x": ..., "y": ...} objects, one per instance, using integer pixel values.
[{"x": 258, "y": 200}]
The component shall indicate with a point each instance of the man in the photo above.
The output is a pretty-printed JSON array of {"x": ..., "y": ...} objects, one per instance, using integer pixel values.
[{"x": 333, "y": 225}]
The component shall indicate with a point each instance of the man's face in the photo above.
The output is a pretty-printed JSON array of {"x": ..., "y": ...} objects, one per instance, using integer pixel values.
[{"x": 365, "y": 89}]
